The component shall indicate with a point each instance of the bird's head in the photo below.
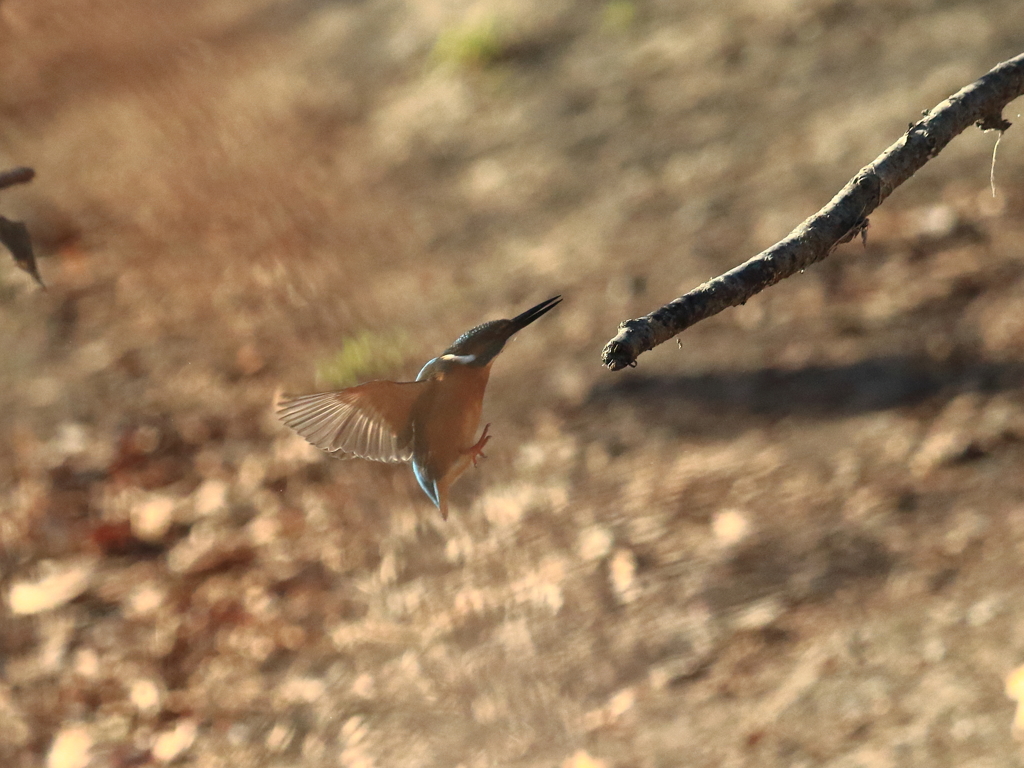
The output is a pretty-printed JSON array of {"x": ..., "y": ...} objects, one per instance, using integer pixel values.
[
  {"x": 482, "y": 344},
  {"x": 479, "y": 346}
]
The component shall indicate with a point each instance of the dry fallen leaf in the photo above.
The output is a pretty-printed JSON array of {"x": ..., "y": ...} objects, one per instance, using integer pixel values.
[{"x": 1015, "y": 690}]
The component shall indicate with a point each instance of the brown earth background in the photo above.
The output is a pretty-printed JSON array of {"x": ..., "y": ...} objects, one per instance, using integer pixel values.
[{"x": 795, "y": 539}]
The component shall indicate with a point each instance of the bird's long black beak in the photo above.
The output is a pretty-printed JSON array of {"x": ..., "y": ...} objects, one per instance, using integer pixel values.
[{"x": 521, "y": 321}]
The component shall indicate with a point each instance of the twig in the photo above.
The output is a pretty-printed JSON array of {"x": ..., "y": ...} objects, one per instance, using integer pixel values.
[
  {"x": 16, "y": 176},
  {"x": 14, "y": 234},
  {"x": 845, "y": 217}
]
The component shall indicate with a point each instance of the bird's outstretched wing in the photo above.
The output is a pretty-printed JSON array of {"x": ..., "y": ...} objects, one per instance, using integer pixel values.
[{"x": 371, "y": 421}]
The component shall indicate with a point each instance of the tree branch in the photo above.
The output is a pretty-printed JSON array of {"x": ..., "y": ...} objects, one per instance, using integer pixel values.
[{"x": 845, "y": 217}]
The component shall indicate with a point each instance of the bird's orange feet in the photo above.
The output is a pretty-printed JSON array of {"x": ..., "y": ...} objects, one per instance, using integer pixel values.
[{"x": 476, "y": 452}]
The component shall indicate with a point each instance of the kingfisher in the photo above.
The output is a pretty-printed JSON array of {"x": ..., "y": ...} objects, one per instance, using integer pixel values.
[{"x": 430, "y": 421}]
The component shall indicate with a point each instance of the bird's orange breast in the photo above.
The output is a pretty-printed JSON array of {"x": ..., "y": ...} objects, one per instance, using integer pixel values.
[{"x": 448, "y": 427}]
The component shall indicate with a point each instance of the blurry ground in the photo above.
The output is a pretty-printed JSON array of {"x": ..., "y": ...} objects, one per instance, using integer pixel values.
[{"x": 797, "y": 540}]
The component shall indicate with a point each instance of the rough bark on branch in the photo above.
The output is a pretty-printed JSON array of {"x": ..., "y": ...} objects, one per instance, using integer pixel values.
[{"x": 980, "y": 103}]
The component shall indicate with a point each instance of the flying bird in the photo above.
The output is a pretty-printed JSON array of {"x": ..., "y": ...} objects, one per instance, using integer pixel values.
[{"x": 430, "y": 421}]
